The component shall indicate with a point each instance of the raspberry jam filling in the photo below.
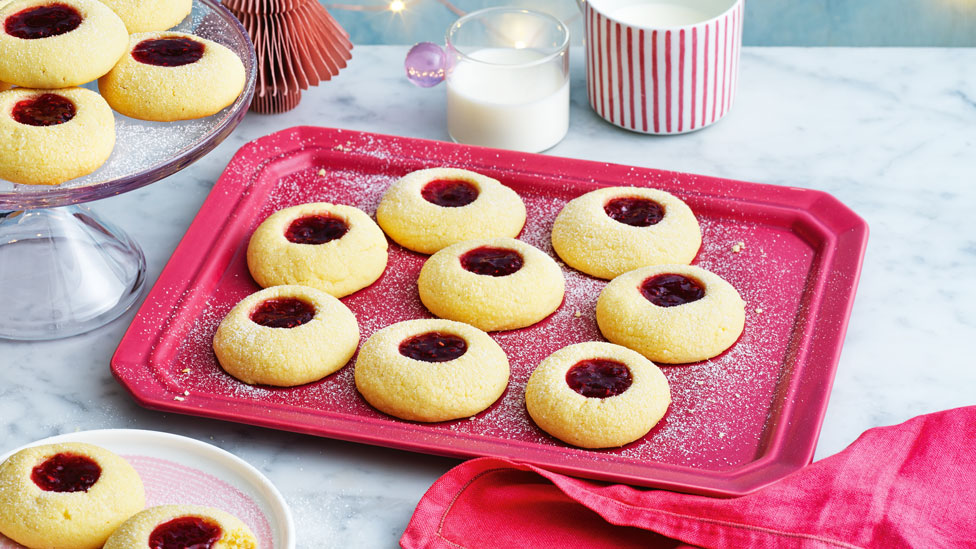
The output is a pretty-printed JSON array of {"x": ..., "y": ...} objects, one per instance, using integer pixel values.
[
  {"x": 599, "y": 378},
  {"x": 283, "y": 312},
  {"x": 47, "y": 109},
  {"x": 492, "y": 261},
  {"x": 434, "y": 347},
  {"x": 185, "y": 533},
  {"x": 633, "y": 211},
  {"x": 450, "y": 193},
  {"x": 168, "y": 52},
  {"x": 669, "y": 290},
  {"x": 316, "y": 229},
  {"x": 42, "y": 21},
  {"x": 66, "y": 473}
]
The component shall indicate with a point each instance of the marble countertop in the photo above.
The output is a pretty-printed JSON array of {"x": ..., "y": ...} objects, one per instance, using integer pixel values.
[{"x": 890, "y": 132}]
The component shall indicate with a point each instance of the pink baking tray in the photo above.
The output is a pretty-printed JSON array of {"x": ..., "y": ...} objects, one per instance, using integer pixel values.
[{"x": 737, "y": 422}]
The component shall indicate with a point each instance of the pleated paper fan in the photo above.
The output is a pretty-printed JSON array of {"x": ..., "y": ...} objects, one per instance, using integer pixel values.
[{"x": 297, "y": 43}]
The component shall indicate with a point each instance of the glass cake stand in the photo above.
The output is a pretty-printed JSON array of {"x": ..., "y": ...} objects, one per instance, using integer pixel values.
[{"x": 63, "y": 269}]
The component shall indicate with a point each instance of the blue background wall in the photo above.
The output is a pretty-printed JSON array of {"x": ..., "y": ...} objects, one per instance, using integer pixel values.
[{"x": 767, "y": 22}]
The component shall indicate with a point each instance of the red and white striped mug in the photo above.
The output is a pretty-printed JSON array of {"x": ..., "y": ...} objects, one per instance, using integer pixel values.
[{"x": 662, "y": 67}]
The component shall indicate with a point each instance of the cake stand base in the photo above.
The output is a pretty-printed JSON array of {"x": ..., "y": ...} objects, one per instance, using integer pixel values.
[{"x": 64, "y": 271}]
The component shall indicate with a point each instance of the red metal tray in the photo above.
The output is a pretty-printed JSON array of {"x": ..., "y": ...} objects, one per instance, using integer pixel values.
[{"x": 737, "y": 422}]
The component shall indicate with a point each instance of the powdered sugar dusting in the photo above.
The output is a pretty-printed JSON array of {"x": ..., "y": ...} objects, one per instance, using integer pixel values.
[{"x": 722, "y": 408}]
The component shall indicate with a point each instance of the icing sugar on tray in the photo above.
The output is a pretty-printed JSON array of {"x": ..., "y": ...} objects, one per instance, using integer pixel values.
[{"x": 723, "y": 410}]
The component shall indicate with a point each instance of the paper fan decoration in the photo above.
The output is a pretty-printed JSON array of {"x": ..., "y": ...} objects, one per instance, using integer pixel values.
[{"x": 297, "y": 43}]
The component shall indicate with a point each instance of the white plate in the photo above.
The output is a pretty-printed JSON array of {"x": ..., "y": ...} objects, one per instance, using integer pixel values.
[{"x": 181, "y": 470}]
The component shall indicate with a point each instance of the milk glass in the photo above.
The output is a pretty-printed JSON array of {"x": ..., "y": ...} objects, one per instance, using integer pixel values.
[{"x": 508, "y": 79}]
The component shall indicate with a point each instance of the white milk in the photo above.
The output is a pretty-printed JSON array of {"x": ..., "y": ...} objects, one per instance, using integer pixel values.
[
  {"x": 659, "y": 15},
  {"x": 517, "y": 108}
]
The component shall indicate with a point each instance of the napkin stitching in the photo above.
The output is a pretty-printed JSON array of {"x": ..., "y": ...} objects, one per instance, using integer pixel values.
[
  {"x": 814, "y": 537},
  {"x": 471, "y": 481},
  {"x": 457, "y": 495}
]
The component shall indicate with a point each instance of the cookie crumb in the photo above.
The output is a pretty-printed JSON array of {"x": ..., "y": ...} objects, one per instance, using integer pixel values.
[
  {"x": 322, "y": 171},
  {"x": 577, "y": 314},
  {"x": 721, "y": 435},
  {"x": 179, "y": 398},
  {"x": 759, "y": 310},
  {"x": 186, "y": 393},
  {"x": 186, "y": 370},
  {"x": 738, "y": 247}
]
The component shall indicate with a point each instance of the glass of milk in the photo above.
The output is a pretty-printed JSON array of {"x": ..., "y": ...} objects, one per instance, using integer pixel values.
[{"x": 508, "y": 79}]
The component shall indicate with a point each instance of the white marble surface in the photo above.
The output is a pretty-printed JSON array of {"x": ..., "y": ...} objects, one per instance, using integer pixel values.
[{"x": 890, "y": 132}]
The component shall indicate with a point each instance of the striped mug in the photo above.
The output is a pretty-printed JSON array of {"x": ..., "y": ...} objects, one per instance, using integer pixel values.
[{"x": 662, "y": 67}]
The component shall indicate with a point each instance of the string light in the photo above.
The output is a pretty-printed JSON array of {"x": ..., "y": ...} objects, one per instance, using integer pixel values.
[
  {"x": 395, "y": 6},
  {"x": 399, "y": 6}
]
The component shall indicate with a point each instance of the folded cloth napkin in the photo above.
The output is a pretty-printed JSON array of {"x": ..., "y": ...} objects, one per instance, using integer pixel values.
[{"x": 909, "y": 485}]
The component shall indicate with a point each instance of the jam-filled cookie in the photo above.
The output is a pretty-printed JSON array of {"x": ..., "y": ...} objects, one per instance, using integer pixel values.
[
  {"x": 70, "y": 495},
  {"x": 150, "y": 15},
  {"x": 597, "y": 395},
  {"x": 58, "y": 43},
  {"x": 427, "y": 210},
  {"x": 50, "y": 136},
  {"x": 183, "y": 526},
  {"x": 166, "y": 76},
  {"x": 286, "y": 336},
  {"x": 672, "y": 314},
  {"x": 494, "y": 284},
  {"x": 610, "y": 231},
  {"x": 337, "y": 249},
  {"x": 431, "y": 370}
]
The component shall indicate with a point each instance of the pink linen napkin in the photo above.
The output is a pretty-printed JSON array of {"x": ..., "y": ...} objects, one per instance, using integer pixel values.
[{"x": 909, "y": 485}]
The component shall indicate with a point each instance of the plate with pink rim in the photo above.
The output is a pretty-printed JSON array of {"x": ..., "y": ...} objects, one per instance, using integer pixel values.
[{"x": 180, "y": 470}]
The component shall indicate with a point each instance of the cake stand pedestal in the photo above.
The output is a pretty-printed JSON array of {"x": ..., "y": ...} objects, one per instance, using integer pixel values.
[{"x": 63, "y": 269}]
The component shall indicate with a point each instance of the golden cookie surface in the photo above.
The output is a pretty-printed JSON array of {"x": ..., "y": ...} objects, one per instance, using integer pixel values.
[
  {"x": 286, "y": 336},
  {"x": 648, "y": 227},
  {"x": 493, "y": 284},
  {"x": 150, "y": 15},
  {"x": 284, "y": 249},
  {"x": 180, "y": 91},
  {"x": 86, "y": 44},
  {"x": 80, "y": 519},
  {"x": 617, "y": 397},
  {"x": 681, "y": 331},
  {"x": 431, "y": 370},
  {"x": 208, "y": 521},
  {"x": 411, "y": 215},
  {"x": 52, "y": 154}
]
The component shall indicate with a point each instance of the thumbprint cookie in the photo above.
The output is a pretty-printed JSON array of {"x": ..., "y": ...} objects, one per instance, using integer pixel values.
[
  {"x": 431, "y": 370},
  {"x": 431, "y": 209},
  {"x": 673, "y": 314},
  {"x": 69, "y": 495},
  {"x": 150, "y": 15},
  {"x": 286, "y": 336},
  {"x": 610, "y": 231},
  {"x": 493, "y": 284},
  {"x": 183, "y": 527},
  {"x": 597, "y": 395},
  {"x": 50, "y": 136},
  {"x": 166, "y": 76},
  {"x": 337, "y": 249},
  {"x": 58, "y": 43}
]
